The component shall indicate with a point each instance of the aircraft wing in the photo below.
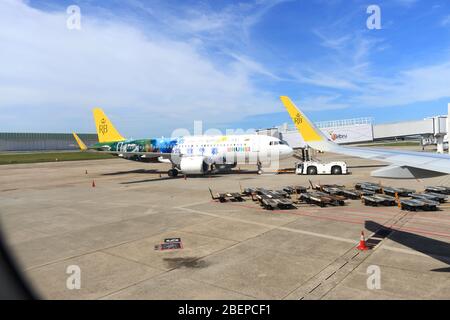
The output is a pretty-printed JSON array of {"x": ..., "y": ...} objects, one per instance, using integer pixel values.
[{"x": 404, "y": 164}]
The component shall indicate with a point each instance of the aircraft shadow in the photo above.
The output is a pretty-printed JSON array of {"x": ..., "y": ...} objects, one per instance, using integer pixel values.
[
  {"x": 135, "y": 171},
  {"x": 164, "y": 172},
  {"x": 369, "y": 166},
  {"x": 435, "y": 249},
  {"x": 171, "y": 178}
]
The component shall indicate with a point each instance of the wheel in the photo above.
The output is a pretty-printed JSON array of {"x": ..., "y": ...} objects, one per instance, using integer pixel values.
[
  {"x": 336, "y": 170},
  {"x": 312, "y": 170},
  {"x": 172, "y": 172}
]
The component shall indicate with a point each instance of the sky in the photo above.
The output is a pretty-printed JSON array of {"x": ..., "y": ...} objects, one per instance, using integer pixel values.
[{"x": 157, "y": 66}]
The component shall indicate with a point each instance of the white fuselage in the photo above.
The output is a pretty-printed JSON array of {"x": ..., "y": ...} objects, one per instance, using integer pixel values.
[{"x": 233, "y": 148}]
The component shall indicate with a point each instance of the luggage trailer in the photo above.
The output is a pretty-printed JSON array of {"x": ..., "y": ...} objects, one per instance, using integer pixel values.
[
  {"x": 224, "y": 197},
  {"x": 437, "y": 197},
  {"x": 371, "y": 187},
  {"x": 416, "y": 204},
  {"x": 356, "y": 194},
  {"x": 402, "y": 192},
  {"x": 272, "y": 201},
  {"x": 322, "y": 199},
  {"x": 312, "y": 198},
  {"x": 438, "y": 189},
  {"x": 378, "y": 200}
]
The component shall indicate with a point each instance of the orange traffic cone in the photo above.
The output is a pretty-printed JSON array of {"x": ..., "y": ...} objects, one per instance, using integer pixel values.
[
  {"x": 362, "y": 243},
  {"x": 93, "y": 184}
]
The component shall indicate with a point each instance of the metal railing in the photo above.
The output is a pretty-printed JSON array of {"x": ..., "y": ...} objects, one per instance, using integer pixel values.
[
  {"x": 344, "y": 122},
  {"x": 331, "y": 124}
]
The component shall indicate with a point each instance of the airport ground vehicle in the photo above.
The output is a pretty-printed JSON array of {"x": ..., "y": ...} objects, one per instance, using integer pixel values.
[{"x": 315, "y": 167}]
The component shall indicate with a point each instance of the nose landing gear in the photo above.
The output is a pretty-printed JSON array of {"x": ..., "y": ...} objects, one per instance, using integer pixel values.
[{"x": 259, "y": 165}]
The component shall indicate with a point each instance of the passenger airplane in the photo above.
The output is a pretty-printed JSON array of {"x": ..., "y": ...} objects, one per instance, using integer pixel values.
[
  {"x": 404, "y": 164},
  {"x": 190, "y": 154}
]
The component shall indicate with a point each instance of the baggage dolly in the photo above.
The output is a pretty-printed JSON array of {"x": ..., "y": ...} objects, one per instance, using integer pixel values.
[
  {"x": 402, "y": 192},
  {"x": 378, "y": 200},
  {"x": 429, "y": 196},
  {"x": 356, "y": 194},
  {"x": 438, "y": 189},
  {"x": 415, "y": 205},
  {"x": 224, "y": 197}
]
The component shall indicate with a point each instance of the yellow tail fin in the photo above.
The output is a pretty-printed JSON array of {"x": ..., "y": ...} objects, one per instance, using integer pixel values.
[
  {"x": 105, "y": 130},
  {"x": 79, "y": 141},
  {"x": 306, "y": 128}
]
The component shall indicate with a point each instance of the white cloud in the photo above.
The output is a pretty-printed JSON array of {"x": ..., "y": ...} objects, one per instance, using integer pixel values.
[
  {"x": 406, "y": 2},
  {"x": 151, "y": 80},
  {"x": 322, "y": 102},
  {"x": 351, "y": 80},
  {"x": 427, "y": 83},
  {"x": 445, "y": 21}
]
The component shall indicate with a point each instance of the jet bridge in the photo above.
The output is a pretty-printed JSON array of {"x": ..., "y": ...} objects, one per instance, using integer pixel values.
[{"x": 360, "y": 130}]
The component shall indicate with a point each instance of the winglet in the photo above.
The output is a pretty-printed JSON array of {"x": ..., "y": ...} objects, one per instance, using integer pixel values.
[
  {"x": 79, "y": 141},
  {"x": 105, "y": 129}
]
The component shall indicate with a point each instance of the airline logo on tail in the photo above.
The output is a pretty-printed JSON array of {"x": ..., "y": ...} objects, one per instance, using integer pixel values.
[
  {"x": 103, "y": 127},
  {"x": 298, "y": 119},
  {"x": 306, "y": 128},
  {"x": 106, "y": 131}
]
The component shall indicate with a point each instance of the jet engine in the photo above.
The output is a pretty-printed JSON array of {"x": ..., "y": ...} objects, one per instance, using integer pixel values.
[{"x": 193, "y": 165}]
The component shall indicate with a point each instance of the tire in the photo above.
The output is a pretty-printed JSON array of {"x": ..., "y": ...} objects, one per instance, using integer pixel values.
[
  {"x": 311, "y": 170},
  {"x": 336, "y": 170},
  {"x": 172, "y": 173}
]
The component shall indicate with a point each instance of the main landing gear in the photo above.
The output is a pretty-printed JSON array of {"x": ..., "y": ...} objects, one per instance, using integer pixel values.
[{"x": 172, "y": 173}]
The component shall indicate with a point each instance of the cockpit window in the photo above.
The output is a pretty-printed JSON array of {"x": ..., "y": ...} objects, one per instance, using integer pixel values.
[{"x": 273, "y": 143}]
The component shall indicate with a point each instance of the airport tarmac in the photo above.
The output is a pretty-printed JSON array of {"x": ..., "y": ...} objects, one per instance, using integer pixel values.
[{"x": 54, "y": 218}]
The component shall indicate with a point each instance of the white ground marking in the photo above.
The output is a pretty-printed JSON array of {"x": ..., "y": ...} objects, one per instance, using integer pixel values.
[{"x": 314, "y": 234}]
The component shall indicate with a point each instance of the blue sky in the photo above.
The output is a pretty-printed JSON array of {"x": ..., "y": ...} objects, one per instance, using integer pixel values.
[{"x": 155, "y": 66}]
